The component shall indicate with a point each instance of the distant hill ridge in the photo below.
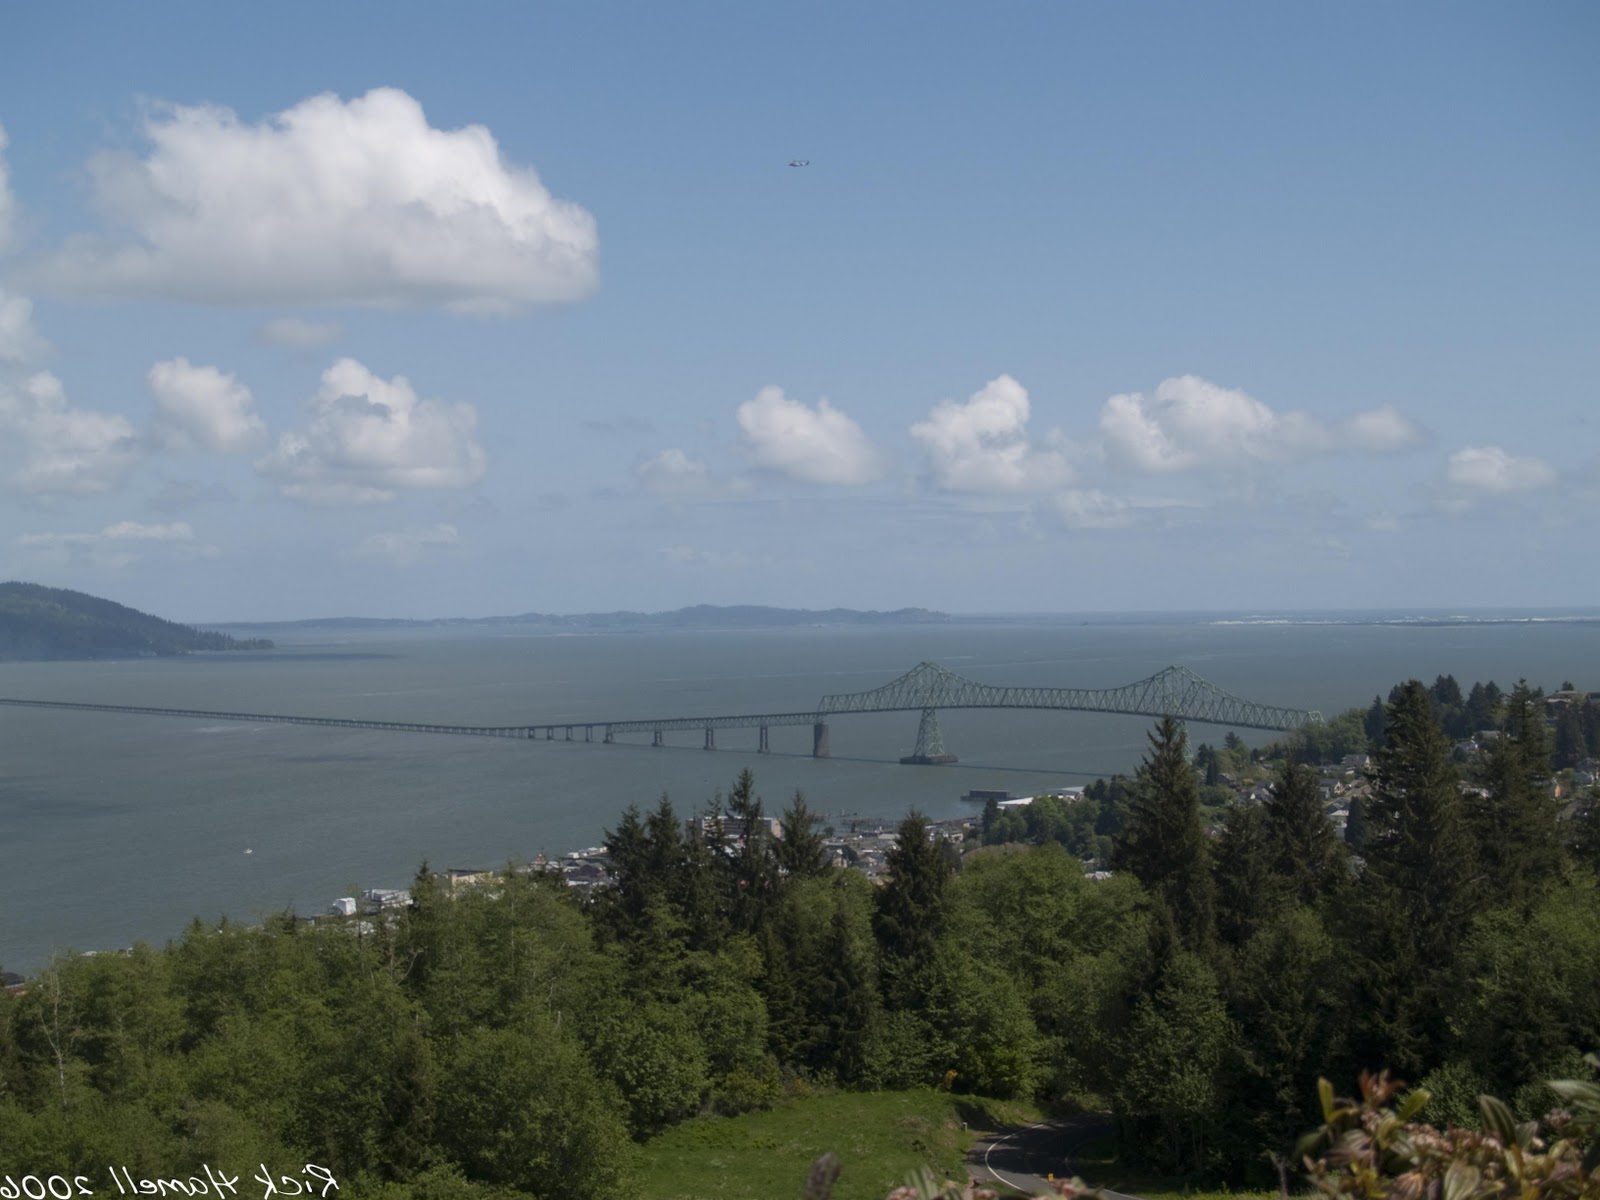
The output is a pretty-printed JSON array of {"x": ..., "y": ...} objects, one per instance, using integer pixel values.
[
  {"x": 54, "y": 623},
  {"x": 699, "y": 616}
]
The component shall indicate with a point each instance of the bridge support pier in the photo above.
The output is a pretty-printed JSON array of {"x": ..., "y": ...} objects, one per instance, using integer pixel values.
[
  {"x": 588, "y": 733},
  {"x": 929, "y": 751},
  {"x": 609, "y": 737},
  {"x": 819, "y": 740},
  {"x": 569, "y": 733},
  {"x": 711, "y": 738},
  {"x": 655, "y": 738},
  {"x": 763, "y": 748}
]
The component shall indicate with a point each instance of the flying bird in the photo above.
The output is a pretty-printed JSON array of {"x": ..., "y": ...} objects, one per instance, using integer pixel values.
[{"x": 799, "y": 162}]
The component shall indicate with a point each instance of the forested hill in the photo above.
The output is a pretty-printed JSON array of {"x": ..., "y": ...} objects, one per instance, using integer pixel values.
[{"x": 46, "y": 623}]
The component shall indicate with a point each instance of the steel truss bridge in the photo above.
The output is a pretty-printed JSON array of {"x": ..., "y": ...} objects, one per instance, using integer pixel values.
[{"x": 1173, "y": 692}]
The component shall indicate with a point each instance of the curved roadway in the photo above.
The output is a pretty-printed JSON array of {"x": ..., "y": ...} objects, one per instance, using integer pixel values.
[{"x": 1026, "y": 1159}]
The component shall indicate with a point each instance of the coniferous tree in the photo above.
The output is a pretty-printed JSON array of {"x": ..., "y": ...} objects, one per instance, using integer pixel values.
[
  {"x": 752, "y": 877},
  {"x": 1571, "y": 746},
  {"x": 909, "y": 914},
  {"x": 844, "y": 998},
  {"x": 1356, "y": 829},
  {"x": 800, "y": 850},
  {"x": 1248, "y": 890},
  {"x": 1512, "y": 817},
  {"x": 1162, "y": 843},
  {"x": 1483, "y": 707},
  {"x": 1374, "y": 723},
  {"x": 1305, "y": 847},
  {"x": 1416, "y": 893},
  {"x": 1419, "y": 845}
]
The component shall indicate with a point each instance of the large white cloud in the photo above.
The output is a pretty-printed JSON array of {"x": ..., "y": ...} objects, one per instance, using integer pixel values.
[
  {"x": 1489, "y": 470},
  {"x": 813, "y": 445},
  {"x": 201, "y": 408},
  {"x": 62, "y": 449},
  {"x": 983, "y": 446},
  {"x": 370, "y": 438},
  {"x": 329, "y": 202},
  {"x": 1193, "y": 424},
  {"x": 19, "y": 337}
]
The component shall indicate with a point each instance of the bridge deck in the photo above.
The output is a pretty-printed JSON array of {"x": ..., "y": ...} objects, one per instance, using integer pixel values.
[{"x": 1175, "y": 691}]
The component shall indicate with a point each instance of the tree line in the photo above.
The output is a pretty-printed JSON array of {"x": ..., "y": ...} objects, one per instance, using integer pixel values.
[{"x": 516, "y": 1038}]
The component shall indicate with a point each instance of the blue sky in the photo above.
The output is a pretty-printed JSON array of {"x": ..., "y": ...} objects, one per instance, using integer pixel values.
[{"x": 394, "y": 310}]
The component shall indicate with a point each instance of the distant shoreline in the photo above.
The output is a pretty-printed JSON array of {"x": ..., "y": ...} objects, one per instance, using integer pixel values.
[{"x": 708, "y": 618}]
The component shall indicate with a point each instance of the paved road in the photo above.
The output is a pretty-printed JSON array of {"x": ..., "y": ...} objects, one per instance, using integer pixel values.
[{"x": 1025, "y": 1158}]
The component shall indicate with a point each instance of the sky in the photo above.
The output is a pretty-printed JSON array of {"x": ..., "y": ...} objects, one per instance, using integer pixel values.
[{"x": 418, "y": 310}]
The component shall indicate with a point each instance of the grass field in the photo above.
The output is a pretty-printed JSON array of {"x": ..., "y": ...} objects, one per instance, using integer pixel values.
[{"x": 878, "y": 1137}]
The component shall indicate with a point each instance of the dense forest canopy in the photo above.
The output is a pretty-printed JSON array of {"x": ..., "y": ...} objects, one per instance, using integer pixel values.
[
  {"x": 514, "y": 1038},
  {"x": 54, "y": 623}
]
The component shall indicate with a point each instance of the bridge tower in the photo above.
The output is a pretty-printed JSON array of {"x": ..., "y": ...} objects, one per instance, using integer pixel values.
[{"x": 930, "y": 743}]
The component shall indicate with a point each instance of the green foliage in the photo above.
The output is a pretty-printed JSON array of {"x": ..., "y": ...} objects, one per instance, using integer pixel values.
[
  {"x": 1374, "y": 1147},
  {"x": 1340, "y": 735},
  {"x": 1419, "y": 850},
  {"x": 1162, "y": 843},
  {"x": 908, "y": 919},
  {"x": 521, "y": 1109},
  {"x": 511, "y": 1039},
  {"x": 1511, "y": 815},
  {"x": 800, "y": 851},
  {"x": 1170, "y": 1092},
  {"x": 1305, "y": 851}
]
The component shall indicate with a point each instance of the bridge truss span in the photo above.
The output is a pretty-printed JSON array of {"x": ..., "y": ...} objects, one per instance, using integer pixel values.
[{"x": 1174, "y": 691}]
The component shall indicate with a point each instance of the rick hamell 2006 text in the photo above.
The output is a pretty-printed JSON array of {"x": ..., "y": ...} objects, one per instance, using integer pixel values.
[{"x": 312, "y": 1180}]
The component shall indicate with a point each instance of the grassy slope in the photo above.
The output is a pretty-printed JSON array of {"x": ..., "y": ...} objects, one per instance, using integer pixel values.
[{"x": 878, "y": 1137}]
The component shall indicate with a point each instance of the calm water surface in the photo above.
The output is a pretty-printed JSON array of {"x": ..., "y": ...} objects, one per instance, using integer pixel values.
[{"x": 120, "y": 828}]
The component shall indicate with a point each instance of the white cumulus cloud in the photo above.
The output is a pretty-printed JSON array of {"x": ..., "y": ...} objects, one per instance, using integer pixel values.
[
  {"x": 982, "y": 445},
  {"x": 1191, "y": 422},
  {"x": 370, "y": 438},
  {"x": 813, "y": 445},
  {"x": 62, "y": 449},
  {"x": 1489, "y": 470},
  {"x": 298, "y": 333},
  {"x": 408, "y": 547},
  {"x": 328, "y": 202},
  {"x": 201, "y": 408}
]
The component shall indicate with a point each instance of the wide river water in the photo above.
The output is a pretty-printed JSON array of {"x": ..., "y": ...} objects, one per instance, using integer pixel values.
[{"x": 117, "y": 828}]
